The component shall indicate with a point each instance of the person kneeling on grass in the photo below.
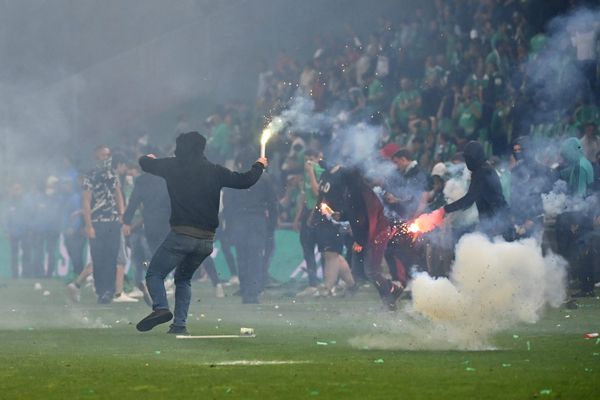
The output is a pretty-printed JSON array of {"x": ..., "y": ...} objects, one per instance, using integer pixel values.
[{"x": 194, "y": 185}]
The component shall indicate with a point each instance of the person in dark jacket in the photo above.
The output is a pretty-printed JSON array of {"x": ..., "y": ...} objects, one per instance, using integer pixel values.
[
  {"x": 194, "y": 185},
  {"x": 151, "y": 197},
  {"x": 485, "y": 191},
  {"x": 529, "y": 179},
  {"x": 346, "y": 192},
  {"x": 250, "y": 213}
]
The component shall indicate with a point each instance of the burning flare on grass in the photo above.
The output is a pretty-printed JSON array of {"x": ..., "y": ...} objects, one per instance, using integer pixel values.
[{"x": 426, "y": 222}]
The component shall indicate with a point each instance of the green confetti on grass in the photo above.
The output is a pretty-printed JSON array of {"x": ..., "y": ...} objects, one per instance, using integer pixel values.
[
  {"x": 379, "y": 361},
  {"x": 332, "y": 342},
  {"x": 157, "y": 352},
  {"x": 546, "y": 392},
  {"x": 515, "y": 336},
  {"x": 598, "y": 341},
  {"x": 506, "y": 365},
  {"x": 469, "y": 369},
  {"x": 314, "y": 393},
  {"x": 322, "y": 343},
  {"x": 228, "y": 390},
  {"x": 528, "y": 345}
]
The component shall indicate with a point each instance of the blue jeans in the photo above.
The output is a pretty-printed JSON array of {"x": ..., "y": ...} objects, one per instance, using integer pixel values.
[{"x": 184, "y": 254}]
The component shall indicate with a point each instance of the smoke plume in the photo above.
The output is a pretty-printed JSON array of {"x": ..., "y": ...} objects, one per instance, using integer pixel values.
[{"x": 494, "y": 286}]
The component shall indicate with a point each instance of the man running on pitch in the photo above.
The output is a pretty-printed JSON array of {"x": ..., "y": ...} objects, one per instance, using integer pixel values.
[{"x": 194, "y": 185}]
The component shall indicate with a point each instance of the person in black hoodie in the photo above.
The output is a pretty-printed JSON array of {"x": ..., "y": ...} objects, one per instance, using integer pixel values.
[
  {"x": 485, "y": 191},
  {"x": 194, "y": 185},
  {"x": 250, "y": 213}
]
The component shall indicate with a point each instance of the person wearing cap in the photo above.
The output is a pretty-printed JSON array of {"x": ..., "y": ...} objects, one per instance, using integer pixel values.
[
  {"x": 485, "y": 191},
  {"x": 435, "y": 196},
  {"x": 194, "y": 185}
]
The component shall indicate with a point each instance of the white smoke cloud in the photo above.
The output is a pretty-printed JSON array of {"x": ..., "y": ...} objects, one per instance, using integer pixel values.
[
  {"x": 353, "y": 145},
  {"x": 494, "y": 285},
  {"x": 558, "y": 201}
]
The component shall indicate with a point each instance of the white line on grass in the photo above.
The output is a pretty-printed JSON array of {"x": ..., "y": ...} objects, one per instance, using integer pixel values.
[{"x": 256, "y": 362}]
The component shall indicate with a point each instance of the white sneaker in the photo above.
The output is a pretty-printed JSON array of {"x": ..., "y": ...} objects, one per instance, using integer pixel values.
[
  {"x": 123, "y": 298},
  {"x": 74, "y": 292},
  {"x": 136, "y": 292},
  {"x": 323, "y": 292},
  {"x": 219, "y": 291},
  {"x": 309, "y": 291},
  {"x": 233, "y": 281}
]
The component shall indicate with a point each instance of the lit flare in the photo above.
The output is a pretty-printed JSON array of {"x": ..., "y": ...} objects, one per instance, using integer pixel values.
[
  {"x": 264, "y": 138},
  {"x": 426, "y": 222},
  {"x": 326, "y": 210},
  {"x": 272, "y": 128}
]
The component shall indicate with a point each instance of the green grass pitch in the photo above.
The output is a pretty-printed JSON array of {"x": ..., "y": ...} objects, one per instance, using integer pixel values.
[{"x": 51, "y": 348}]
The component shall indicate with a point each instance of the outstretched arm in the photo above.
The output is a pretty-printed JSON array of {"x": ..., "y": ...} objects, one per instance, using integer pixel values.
[
  {"x": 238, "y": 180},
  {"x": 463, "y": 203}
]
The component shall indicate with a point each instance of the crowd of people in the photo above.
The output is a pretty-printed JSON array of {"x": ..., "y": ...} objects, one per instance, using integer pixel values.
[{"x": 455, "y": 112}]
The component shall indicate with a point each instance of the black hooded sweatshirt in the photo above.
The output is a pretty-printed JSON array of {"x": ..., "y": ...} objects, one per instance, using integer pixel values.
[
  {"x": 194, "y": 185},
  {"x": 484, "y": 190}
]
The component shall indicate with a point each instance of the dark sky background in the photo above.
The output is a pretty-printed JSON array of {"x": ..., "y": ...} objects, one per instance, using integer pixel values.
[
  {"x": 77, "y": 73},
  {"x": 81, "y": 72}
]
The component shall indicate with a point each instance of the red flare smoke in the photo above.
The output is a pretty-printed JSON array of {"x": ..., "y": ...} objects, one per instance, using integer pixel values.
[{"x": 426, "y": 222}]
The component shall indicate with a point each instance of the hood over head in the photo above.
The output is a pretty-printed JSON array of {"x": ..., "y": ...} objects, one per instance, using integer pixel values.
[
  {"x": 474, "y": 155},
  {"x": 189, "y": 145},
  {"x": 571, "y": 150}
]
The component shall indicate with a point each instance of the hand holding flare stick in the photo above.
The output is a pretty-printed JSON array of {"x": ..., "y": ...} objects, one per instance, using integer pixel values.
[
  {"x": 329, "y": 212},
  {"x": 326, "y": 210},
  {"x": 426, "y": 222}
]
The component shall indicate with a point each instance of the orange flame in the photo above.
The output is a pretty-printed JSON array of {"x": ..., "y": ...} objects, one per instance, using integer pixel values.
[
  {"x": 326, "y": 210},
  {"x": 426, "y": 222}
]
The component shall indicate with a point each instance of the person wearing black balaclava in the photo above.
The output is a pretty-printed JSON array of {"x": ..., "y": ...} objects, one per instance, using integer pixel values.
[
  {"x": 194, "y": 185},
  {"x": 485, "y": 191},
  {"x": 529, "y": 179},
  {"x": 103, "y": 207},
  {"x": 250, "y": 213}
]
